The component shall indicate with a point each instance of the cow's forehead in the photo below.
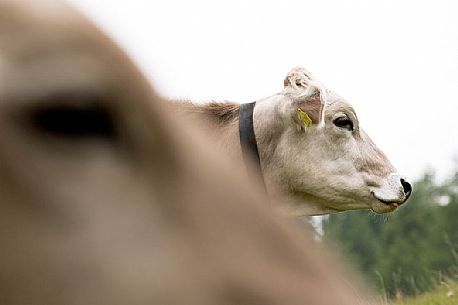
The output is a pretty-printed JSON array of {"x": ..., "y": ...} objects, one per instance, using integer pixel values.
[
  {"x": 336, "y": 103},
  {"x": 44, "y": 10},
  {"x": 44, "y": 50},
  {"x": 28, "y": 29}
]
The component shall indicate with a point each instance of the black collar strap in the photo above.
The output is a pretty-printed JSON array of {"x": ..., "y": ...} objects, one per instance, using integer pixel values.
[{"x": 248, "y": 143}]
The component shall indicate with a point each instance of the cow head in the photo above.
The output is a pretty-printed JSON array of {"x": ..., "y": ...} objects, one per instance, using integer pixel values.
[{"x": 312, "y": 146}]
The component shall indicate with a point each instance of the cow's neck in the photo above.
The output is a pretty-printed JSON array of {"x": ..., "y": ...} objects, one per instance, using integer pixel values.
[
  {"x": 221, "y": 124},
  {"x": 268, "y": 127}
]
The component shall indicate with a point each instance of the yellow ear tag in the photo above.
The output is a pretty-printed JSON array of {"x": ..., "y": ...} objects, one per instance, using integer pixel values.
[{"x": 304, "y": 117}]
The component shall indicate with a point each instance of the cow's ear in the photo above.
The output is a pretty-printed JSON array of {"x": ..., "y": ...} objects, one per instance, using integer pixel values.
[
  {"x": 308, "y": 110},
  {"x": 297, "y": 78},
  {"x": 307, "y": 97}
]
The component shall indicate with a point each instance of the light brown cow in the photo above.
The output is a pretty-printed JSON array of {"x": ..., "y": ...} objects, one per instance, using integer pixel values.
[
  {"x": 105, "y": 200},
  {"x": 310, "y": 148}
]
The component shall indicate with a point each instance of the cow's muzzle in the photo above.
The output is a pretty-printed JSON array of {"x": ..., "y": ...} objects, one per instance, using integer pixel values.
[{"x": 395, "y": 190}]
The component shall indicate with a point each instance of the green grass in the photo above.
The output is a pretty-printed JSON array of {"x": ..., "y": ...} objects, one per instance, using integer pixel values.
[{"x": 445, "y": 294}]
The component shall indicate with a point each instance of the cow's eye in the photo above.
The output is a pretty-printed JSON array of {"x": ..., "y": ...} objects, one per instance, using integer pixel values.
[
  {"x": 344, "y": 122},
  {"x": 74, "y": 122},
  {"x": 73, "y": 117}
]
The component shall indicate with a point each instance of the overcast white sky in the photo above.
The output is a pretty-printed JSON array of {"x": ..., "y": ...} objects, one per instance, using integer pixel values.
[{"x": 395, "y": 61}]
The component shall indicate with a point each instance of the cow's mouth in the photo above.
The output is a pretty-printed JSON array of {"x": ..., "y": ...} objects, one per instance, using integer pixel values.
[
  {"x": 384, "y": 205},
  {"x": 389, "y": 201}
]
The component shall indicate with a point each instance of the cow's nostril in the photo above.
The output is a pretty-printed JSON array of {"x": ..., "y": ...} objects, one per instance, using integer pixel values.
[{"x": 407, "y": 187}]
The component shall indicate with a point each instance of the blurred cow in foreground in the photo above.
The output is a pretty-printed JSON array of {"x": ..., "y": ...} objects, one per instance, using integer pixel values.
[{"x": 106, "y": 199}]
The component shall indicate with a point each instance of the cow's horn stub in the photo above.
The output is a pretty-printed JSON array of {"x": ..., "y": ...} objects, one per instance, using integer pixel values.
[{"x": 297, "y": 77}]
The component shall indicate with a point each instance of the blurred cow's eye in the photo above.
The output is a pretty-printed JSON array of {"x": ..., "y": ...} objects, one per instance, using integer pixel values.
[
  {"x": 74, "y": 120},
  {"x": 344, "y": 122}
]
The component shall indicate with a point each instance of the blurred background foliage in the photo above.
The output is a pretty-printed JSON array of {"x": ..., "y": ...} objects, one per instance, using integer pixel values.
[{"x": 407, "y": 252}]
